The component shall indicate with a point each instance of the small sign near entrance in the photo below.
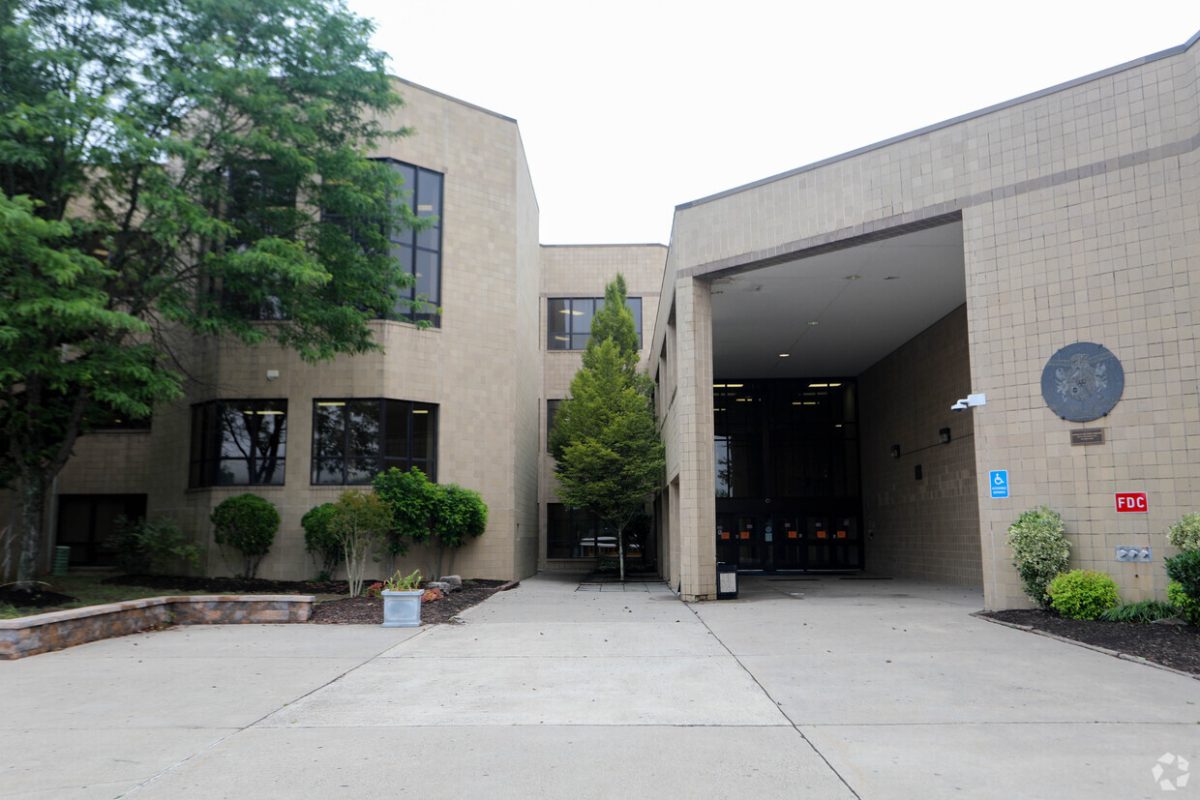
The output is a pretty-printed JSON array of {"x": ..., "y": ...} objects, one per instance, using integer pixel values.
[
  {"x": 998, "y": 480},
  {"x": 1132, "y": 502},
  {"x": 1087, "y": 436}
]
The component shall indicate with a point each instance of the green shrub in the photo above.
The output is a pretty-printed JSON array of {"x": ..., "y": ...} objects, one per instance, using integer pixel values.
[
  {"x": 1145, "y": 611},
  {"x": 152, "y": 547},
  {"x": 412, "y": 499},
  {"x": 1187, "y": 608},
  {"x": 247, "y": 523},
  {"x": 1083, "y": 594},
  {"x": 1040, "y": 550},
  {"x": 321, "y": 541},
  {"x": 1184, "y": 570},
  {"x": 1185, "y": 534},
  {"x": 459, "y": 514}
]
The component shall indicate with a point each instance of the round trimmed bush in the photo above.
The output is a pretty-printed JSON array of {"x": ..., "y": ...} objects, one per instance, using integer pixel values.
[
  {"x": 320, "y": 540},
  {"x": 247, "y": 523},
  {"x": 1083, "y": 594},
  {"x": 1040, "y": 550},
  {"x": 1185, "y": 534}
]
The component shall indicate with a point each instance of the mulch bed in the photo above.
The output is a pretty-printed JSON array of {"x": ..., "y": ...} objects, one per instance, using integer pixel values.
[
  {"x": 369, "y": 610},
  {"x": 1175, "y": 646},
  {"x": 33, "y": 598}
]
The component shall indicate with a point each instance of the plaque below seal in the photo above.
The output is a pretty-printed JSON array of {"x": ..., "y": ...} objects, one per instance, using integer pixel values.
[{"x": 1082, "y": 382}]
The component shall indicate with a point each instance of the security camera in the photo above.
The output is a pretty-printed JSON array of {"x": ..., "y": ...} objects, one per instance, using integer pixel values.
[{"x": 961, "y": 405}]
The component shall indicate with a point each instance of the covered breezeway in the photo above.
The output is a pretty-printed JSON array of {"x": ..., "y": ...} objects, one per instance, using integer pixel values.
[{"x": 835, "y": 448}]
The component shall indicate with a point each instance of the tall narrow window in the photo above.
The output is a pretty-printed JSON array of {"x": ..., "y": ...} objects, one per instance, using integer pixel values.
[
  {"x": 238, "y": 443},
  {"x": 551, "y": 412},
  {"x": 569, "y": 320},
  {"x": 420, "y": 252},
  {"x": 354, "y": 440}
]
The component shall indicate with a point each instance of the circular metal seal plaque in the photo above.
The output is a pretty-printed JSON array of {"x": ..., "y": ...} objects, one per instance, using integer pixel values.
[{"x": 1082, "y": 382}]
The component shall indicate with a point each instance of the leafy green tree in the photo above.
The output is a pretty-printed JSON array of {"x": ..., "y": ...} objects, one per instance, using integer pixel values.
[
  {"x": 610, "y": 457},
  {"x": 173, "y": 170},
  {"x": 360, "y": 521}
]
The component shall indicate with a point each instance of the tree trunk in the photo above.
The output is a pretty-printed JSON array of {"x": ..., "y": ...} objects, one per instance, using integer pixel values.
[
  {"x": 33, "y": 501},
  {"x": 621, "y": 550}
]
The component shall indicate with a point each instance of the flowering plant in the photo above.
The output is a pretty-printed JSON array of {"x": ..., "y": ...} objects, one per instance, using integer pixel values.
[{"x": 374, "y": 589}]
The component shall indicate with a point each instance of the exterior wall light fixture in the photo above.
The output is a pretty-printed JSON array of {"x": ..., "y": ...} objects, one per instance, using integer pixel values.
[{"x": 944, "y": 435}]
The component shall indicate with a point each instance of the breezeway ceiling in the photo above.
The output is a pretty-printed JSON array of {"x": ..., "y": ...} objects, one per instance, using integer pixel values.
[{"x": 866, "y": 301}]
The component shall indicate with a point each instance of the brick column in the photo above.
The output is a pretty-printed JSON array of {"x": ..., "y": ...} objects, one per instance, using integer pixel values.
[{"x": 697, "y": 486}]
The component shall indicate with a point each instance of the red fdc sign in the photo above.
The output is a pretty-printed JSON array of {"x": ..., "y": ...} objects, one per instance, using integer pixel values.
[{"x": 1134, "y": 502}]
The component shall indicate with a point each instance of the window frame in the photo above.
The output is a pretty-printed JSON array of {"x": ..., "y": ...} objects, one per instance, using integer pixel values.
[
  {"x": 204, "y": 452},
  {"x": 428, "y": 465},
  {"x": 566, "y": 341},
  {"x": 410, "y": 238}
]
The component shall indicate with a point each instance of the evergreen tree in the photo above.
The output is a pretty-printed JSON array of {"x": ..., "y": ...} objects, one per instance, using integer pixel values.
[{"x": 605, "y": 438}]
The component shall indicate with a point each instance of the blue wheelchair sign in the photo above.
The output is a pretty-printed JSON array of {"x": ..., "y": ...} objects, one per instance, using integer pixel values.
[{"x": 999, "y": 482}]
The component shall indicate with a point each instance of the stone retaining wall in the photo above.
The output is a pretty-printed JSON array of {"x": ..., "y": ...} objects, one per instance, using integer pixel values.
[{"x": 41, "y": 633}]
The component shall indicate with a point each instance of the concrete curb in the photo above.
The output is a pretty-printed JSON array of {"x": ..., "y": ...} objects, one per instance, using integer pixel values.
[
  {"x": 56, "y": 630},
  {"x": 504, "y": 587},
  {"x": 1106, "y": 651}
]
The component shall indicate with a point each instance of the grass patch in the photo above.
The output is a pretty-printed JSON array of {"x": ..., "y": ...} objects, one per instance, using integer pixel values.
[{"x": 88, "y": 590}]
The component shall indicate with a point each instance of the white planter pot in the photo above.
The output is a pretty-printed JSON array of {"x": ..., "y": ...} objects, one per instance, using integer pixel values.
[{"x": 402, "y": 609}]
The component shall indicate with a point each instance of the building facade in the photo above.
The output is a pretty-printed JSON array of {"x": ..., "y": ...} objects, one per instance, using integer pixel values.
[
  {"x": 952, "y": 261},
  {"x": 808, "y": 335}
]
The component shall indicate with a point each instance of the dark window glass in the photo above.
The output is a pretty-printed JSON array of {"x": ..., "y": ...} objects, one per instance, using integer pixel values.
[
  {"x": 420, "y": 252},
  {"x": 262, "y": 203},
  {"x": 569, "y": 320},
  {"x": 574, "y": 533},
  {"x": 354, "y": 440},
  {"x": 238, "y": 443},
  {"x": 551, "y": 411}
]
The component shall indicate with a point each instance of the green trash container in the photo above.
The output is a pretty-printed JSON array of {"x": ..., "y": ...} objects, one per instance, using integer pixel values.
[{"x": 62, "y": 559}]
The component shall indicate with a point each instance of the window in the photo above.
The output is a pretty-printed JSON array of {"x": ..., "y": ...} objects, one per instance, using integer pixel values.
[
  {"x": 354, "y": 440},
  {"x": 87, "y": 522},
  {"x": 238, "y": 443},
  {"x": 262, "y": 203},
  {"x": 574, "y": 533},
  {"x": 569, "y": 320},
  {"x": 420, "y": 252},
  {"x": 551, "y": 411}
]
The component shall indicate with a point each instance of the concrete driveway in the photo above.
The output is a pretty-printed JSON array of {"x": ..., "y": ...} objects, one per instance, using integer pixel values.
[{"x": 803, "y": 688}]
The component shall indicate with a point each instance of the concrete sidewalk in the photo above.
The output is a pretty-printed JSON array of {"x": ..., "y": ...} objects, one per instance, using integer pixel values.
[{"x": 802, "y": 688}]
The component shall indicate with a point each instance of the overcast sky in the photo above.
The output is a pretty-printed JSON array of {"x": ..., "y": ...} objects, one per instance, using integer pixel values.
[{"x": 628, "y": 108}]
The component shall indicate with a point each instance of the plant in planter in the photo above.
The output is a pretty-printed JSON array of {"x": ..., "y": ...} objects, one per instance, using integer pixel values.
[{"x": 402, "y": 600}]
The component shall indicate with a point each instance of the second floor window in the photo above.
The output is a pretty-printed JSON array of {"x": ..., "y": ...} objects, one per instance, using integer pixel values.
[
  {"x": 569, "y": 320},
  {"x": 420, "y": 252},
  {"x": 238, "y": 443},
  {"x": 356, "y": 439}
]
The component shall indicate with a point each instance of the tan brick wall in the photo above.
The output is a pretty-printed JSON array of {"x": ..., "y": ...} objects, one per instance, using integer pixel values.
[
  {"x": 482, "y": 367},
  {"x": 1081, "y": 223},
  {"x": 584, "y": 271},
  {"x": 928, "y": 528}
]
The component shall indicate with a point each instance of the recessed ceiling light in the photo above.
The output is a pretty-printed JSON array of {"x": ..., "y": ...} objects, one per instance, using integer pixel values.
[
  {"x": 784, "y": 355},
  {"x": 853, "y": 277},
  {"x": 736, "y": 385},
  {"x": 892, "y": 278},
  {"x": 813, "y": 323}
]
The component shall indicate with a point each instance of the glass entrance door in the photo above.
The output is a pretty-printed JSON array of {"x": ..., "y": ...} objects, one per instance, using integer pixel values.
[{"x": 741, "y": 540}]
